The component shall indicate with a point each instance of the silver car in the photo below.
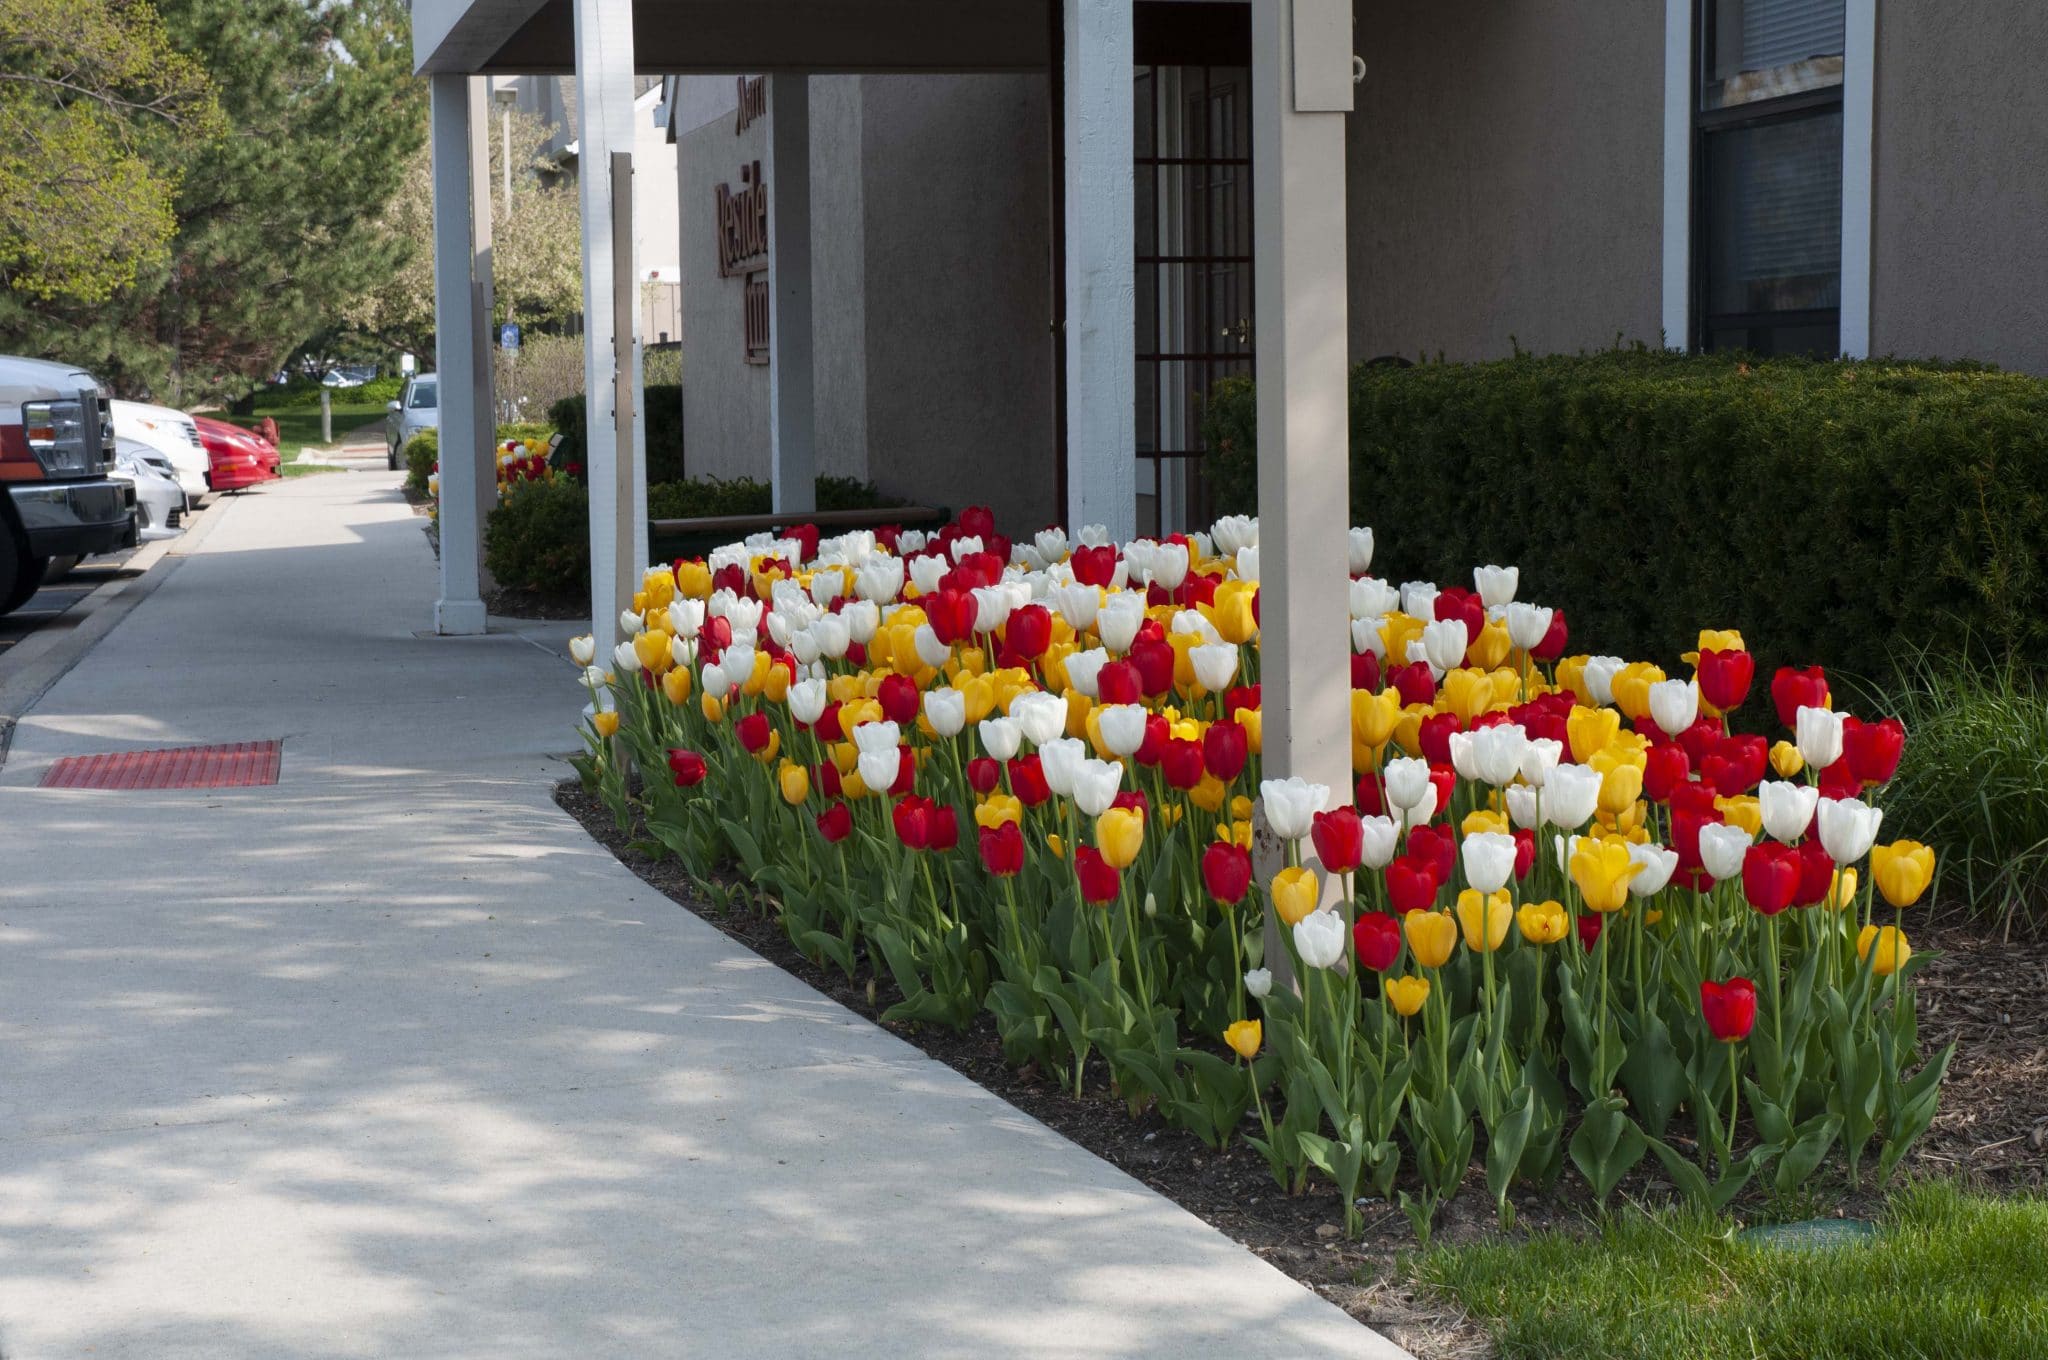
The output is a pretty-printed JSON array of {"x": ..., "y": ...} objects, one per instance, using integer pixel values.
[{"x": 417, "y": 408}]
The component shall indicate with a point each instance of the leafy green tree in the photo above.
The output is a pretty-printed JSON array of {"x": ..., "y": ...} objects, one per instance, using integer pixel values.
[
  {"x": 276, "y": 221},
  {"x": 92, "y": 99}
]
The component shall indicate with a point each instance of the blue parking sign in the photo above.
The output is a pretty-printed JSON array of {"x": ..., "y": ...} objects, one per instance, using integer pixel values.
[{"x": 508, "y": 336}]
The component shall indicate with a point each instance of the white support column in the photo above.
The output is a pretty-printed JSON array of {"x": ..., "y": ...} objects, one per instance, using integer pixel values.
[
  {"x": 1101, "y": 267},
  {"x": 1678, "y": 95},
  {"x": 484, "y": 370},
  {"x": 604, "y": 93},
  {"x": 792, "y": 380},
  {"x": 1859, "y": 170},
  {"x": 1300, "y": 71},
  {"x": 461, "y": 347},
  {"x": 640, "y": 549}
]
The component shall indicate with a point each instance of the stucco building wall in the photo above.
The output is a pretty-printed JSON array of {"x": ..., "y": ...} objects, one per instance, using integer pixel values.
[
  {"x": 725, "y": 399},
  {"x": 1961, "y": 183},
  {"x": 1505, "y": 170}
]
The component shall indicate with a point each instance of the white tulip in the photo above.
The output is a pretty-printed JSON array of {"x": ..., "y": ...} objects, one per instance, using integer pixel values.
[
  {"x": 1084, "y": 667},
  {"x": 991, "y": 608},
  {"x": 1359, "y": 541},
  {"x": 1077, "y": 604},
  {"x": 1462, "y": 759},
  {"x": 1118, "y": 621},
  {"x": 1787, "y": 808},
  {"x": 1042, "y": 716},
  {"x": 1723, "y": 847},
  {"x": 1259, "y": 983},
  {"x": 963, "y": 545},
  {"x": 946, "y": 711},
  {"x": 880, "y": 579},
  {"x": 833, "y": 636},
  {"x": 683, "y": 651},
  {"x": 1366, "y": 637},
  {"x": 879, "y": 768},
  {"x": 1528, "y": 624},
  {"x": 1658, "y": 864},
  {"x": 1599, "y": 677},
  {"x": 1123, "y": 728},
  {"x": 1051, "y": 543},
  {"x": 1060, "y": 758},
  {"x": 927, "y": 572},
  {"x": 686, "y": 617},
  {"x": 1319, "y": 938},
  {"x": 877, "y": 736},
  {"x": 1189, "y": 621},
  {"x": 1570, "y": 796},
  {"x": 1848, "y": 826},
  {"x": 1445, "y": 642},
  {"x": 1819, "y": 737},
  {"x": 1248, "y": 564},
  {"x": 583, "y": 650},
  {"x": 1496, "y": 585},
  {"x": 1407, "y": 781},
  {"x": 1096, "y": 784},
  {"x": 1215, "y": 665},
  {"x": 625, "y": 659},
  {"x": 1497, "y": 753},
  {"x": 1170, "y": 565},
  {"x": 807, "y": 701},
  {"x": 1381, "y": 840},
  {"x": 738, "y": 663},
  {"x": 1675, "y": 705},
  {"x": 1418, "y": 599},
  {"x": 1489, "y": 860},
  {"x": 631, "y": 623},
  {"x": 911, "y": 542},
  {"x": 1539, "y": 757},
  {"x": 1000, "y": 736},
  {"x": 1422, "y": 811},
  {"x": 1291, "y": 805},
  {"x": 827, "y": 586},
  {"x": 713, "y": 680},
  {"x": 1521, "y": 801},
  {"x": 930, "y": 650},
  {"x": 594, "y": 677},
  {"x": 862, "y": 619},
  {"x": 1233, "y": 532}
]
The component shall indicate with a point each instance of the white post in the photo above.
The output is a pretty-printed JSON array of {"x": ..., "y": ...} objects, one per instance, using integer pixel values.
[
  {"x": 1301, "y": 81},
  {"x": 1101, "y": 266},
  {"x": 1859, "y": 119},
  {"x": 604, "y": 91},
  {"x": 460, "y": 609},
  {"x": 640, "y": 557},
  {"x": 1678, "y": 96},
  {"x": 483, "y": 378},
  {"x": 792, "y": 383}
]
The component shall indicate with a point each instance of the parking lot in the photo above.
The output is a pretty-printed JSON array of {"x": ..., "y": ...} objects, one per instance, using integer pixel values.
[{"x": 57, "y": 599}]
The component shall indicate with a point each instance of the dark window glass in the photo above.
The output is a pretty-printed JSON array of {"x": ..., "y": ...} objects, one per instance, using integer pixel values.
[
  {"x": 1774, "y": 216},
  {"x": 1757, "y": 50}
]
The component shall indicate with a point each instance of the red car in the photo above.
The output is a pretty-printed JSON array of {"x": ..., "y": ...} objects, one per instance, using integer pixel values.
[{"x": 235, "y": 457}]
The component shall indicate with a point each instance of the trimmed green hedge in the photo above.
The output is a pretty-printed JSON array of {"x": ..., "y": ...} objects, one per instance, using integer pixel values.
[
  {"x": 421, "y": 454},
  {"x": 538, "y": 538},
  {"x": 1837, "y": 512},
  {"x": 664, "y": 416}
]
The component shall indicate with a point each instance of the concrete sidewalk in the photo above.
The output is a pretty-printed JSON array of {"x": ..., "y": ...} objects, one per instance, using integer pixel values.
[{"x": 391, "y": 1060}]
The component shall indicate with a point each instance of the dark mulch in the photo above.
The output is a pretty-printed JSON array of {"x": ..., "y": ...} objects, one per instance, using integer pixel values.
[
  {"x": 1991, "y": 1130},
  {"x": 508, "y": 603}
]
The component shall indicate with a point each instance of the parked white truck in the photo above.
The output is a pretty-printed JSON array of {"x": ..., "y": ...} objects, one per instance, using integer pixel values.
[{"x": 56, "y": 457}]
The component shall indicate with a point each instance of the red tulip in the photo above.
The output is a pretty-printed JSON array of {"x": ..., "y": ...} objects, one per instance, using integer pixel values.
[
  {"x": 900, "y": 699},
  {"x": 1816, "y": 874},
  {"x": 1118, "y": 682},
  {"x": 835, "y": 823},
  {"x": 1729, "y": 1008},
  {"x": 951, "y": 614},
  {"x": 1839, "y": 780},
  {"x": 1181, "y": 762},
  {"x": 1750, "y": 754},
  {"x": 1027, "y": 781},
  {"x": 1702, "y": 739},
  {"x": 1770, "y": 876},
  {"x": 827, "y": 726},
  {"x": 1370, "y": 797},
  {"x": 1724, "y": 678},
  {"x": 1226, "y": 872},
  {"x": 1377, "y": 937},
  {"x": 1414, "y": 683},
  {"x": 1555, "y": 641},
  {"x": 1792, "y": 690},
  {"x": 1455, "y": 602},
  {"x": 1411, "y": 883},
  {"x": 1439, "y": 846},
  {"x": 1590, "y": 925},
  {"x": 1525, "y": 851},
  {"x": 1094, "y": 566},
  {"x": 1434, "y": 736},
  {"x": 977, "y": 521},
  {"x": 754, "y": 730},
  {"x": 1029, "y": 631},
  {"x": 1697, "y": 800},
  {"x": 1100, "y": 880},
  {"x": 1002, "y": 849},
  {"x": 913, "y": 820},
  {"x": 983, "y": 774},
  {"x": 945, "y": 827},
  {"x": 1365, "y": 671},
  {"x": 1664, "y": 769},
  {"x": 1240, "y": 696},
  {"x": 1873, "y": 749},
  {"x": 828, "y": 780},
  {"x": 1445, "y": 778},
  {"x": 688, "y": 768},
  {"x": 1339, "y": 838},
  {"x": 1153, "y": 658},
  {"x": 1225, "y": 749}
]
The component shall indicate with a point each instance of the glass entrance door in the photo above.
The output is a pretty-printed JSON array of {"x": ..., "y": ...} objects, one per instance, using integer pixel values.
[{"x": 1194, "y": 272}]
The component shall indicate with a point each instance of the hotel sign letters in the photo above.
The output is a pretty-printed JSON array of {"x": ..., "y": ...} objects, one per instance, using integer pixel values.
[
  {"x": 753, "y": 102},
  {"x": 743, "y": 224}
]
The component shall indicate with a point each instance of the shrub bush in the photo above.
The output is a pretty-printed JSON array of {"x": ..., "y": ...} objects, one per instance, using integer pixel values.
[
  {"x": 545, "y": 370},
  {"x": 422, "y": 452},
  {"x": 303, "y": 392},
  {"x": 664, "y": 416},
  {"x": 1835, "y": 512}
]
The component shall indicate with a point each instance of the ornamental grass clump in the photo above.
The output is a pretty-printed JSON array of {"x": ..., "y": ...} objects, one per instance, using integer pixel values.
[{"x": 1567, "y": 917}]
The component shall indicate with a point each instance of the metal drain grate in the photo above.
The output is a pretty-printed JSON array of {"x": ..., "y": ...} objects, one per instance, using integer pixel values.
[{"x": 232, "y": 765}]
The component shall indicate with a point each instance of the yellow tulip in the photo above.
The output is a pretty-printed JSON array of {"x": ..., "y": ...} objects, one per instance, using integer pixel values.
[
  {"x": 1408, "y": 729},
  {"x": 1891, "y": 949},
  {"x": 1491, "y": 647},
  {"x": 1406, "y": 994},
  {"x": 1432, "y": 935},
  {"x": 1571, "y": 675},
  {"x": 1373, "y": 715},
  {"x": 1485, "y": 919},
  {"x": 1620, "y": 786},
  {"x": 1841, "y": 890},
  {"x": 771, "y": 750},
  {"x": 1467, "y": 693},
  {"x": 1231, "y": 611},
  {"x": 712, "y": 706},
  {"x": 658, "y": 588},
  {"x": 1296, "y": 893},
  {"x": 795, "y": 782},
  {"x": 1602, "y": 869},
  {"x": 676, "y": 685},
  {"x": 1589, "y": 730},
  {"x": 1543, "y": 922},
  {"x": 1721, "y": 640},
  {"x": 1184, "y": 645},
  {"x": 851, "y": 785},
  {"x": 652, "y": 649},
  {"x": 1786, "y": 760},
  {"x": 997, "y": 808},
  {"x": 1745, "y": 812},
  {"x": 1483, "y": 819},
  {"x": 1056, "y": 845},
  {"x": 1903, "y": 870},
  {"x": 1253, "y": 720},
  {"x": 606, "y": 723},
  {"x": 1207, "y": 795},
  {"x": 1241, "y": 808},
  {"x": 1507, "y": 687},
  {"x": 1119, "y": 833},
  {"x": 775, "y": 685},
  {"x": 1244, "y": 1037},
  {"x": 1632, "y": 688},
  {"x": 1078, "y": 705},
  {"x": 844, "y": 689},
  {"x": 693, "y": 581},
  {"x": 846, "y": 756},
  {"x": 1397, "y": 630}
]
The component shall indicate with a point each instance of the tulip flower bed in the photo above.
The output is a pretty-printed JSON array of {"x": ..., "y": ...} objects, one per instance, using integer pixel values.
[{"x": 1565, "y": 917}]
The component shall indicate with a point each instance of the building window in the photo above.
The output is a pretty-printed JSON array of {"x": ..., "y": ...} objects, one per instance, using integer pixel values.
[{"x": 1767, "y": 166}]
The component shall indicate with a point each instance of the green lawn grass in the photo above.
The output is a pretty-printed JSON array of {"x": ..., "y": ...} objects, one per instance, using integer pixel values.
[
  {"x": 1950, "y": 1276},
  {"x": 299, "y": 426},
  {"x": 306, "y": 469}
]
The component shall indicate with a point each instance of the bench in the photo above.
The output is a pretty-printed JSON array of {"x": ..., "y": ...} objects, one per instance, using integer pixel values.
[{"x": 696, "y": 536}]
